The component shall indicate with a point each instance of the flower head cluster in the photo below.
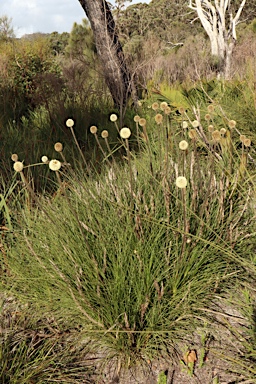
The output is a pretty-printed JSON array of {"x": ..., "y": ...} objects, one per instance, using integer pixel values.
[{"x": 245, "y": 140}]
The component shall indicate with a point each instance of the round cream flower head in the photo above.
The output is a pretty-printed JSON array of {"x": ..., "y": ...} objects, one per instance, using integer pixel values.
[
  {"x": 232, "y": 124},
  {"x": 195, "y": 123},
  {"x": 14, "y": 157},
  {"x": 184, "y": 124},
  {"x": 142, "y": 122},
  {"x": 210, "y": 108},
  {"x": 136, "y": 118},
  {"x": 183, "y": 145},
  {"x": 125, "y": 133},
  {"x": 18, "y": 166},
  {"x": 216, "y": 135},
  {"x": 93, "y": 129},
  {"x": 104, "y": 134},
  {"x": 58, "y": 147},
  {"x": 44, "y": 159},
  {"x": 158, "y": 118},
  {"x": 70, "y": 123},
  {"x": 163, "y": 105},
  {"x": 181, "y": 182},
  {"x": 54, "y": 165},
  {"x": 167, "y": 110},
  {"x": 247, "y": 142},
  {"x": 113, "y": 117},
  {"x": 155, "y": 106}
]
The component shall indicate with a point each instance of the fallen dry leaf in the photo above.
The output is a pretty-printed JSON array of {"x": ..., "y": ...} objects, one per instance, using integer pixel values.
[{"x": 190, "y": 356}]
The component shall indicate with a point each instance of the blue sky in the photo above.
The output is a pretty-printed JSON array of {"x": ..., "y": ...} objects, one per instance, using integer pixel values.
[{"x": 30, "y": 16}]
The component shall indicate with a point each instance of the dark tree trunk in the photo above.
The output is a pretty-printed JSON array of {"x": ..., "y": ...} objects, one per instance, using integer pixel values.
[{"x": 109, "y": 50}]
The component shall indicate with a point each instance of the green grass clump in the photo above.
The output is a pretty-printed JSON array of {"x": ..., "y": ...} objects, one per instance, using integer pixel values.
[
  {"x": 141, "y": 254},
  {"x": 33, "y": 350}
]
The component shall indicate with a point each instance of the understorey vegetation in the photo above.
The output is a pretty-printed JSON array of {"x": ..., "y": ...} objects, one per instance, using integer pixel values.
[{"x": 127, "y": 237}]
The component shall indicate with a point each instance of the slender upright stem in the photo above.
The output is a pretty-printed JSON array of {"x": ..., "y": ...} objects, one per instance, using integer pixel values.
[
  {"x": 185, "y": 225},
  {"x": 130, "y": 165},
  {"x": 102, "y": 150},
  {"x": 79, "y": 149},
  {"x": 109, "y": 149}
]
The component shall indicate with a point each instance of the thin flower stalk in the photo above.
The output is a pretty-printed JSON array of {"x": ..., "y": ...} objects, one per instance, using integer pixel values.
[
  {"x": 130, "y": 164},
  {"x": 108, "y": 147},
  {"x": 79, "y": 148},
  {"x": 159, "y": 121},
  {"x": 19, "y": 169},
  {"x": 113, "y": 118},
  {"x": 125, "y": 134},
  {"x": 59, "y": 148},
  {"x": 185, "y": 222},
  {"x": 181, "y": 183},
  {"x": 142, "y": 122},
  {"x": 136, "y": 119},
  {"x": 100, "y": 146}
]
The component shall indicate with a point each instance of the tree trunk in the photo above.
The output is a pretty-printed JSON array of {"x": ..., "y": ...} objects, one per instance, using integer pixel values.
[
  {"x": 109, "y": 50},
  {"x": 227, "y": 66},
  {"x": 219, "y": 23}
]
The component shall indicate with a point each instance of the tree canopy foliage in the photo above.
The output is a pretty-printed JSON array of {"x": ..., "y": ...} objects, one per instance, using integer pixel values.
[
  {"x": 6, "y": 29},
  {"x": 162, "y": 41}
]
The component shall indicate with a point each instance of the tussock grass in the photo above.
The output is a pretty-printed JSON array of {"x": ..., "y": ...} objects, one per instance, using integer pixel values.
[
  {"x": 137, "y": 259},
  {"x": 33, "y": 350}
]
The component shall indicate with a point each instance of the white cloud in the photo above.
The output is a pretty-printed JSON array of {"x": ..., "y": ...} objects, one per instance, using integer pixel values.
[{"x": 30, "y": 16}]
